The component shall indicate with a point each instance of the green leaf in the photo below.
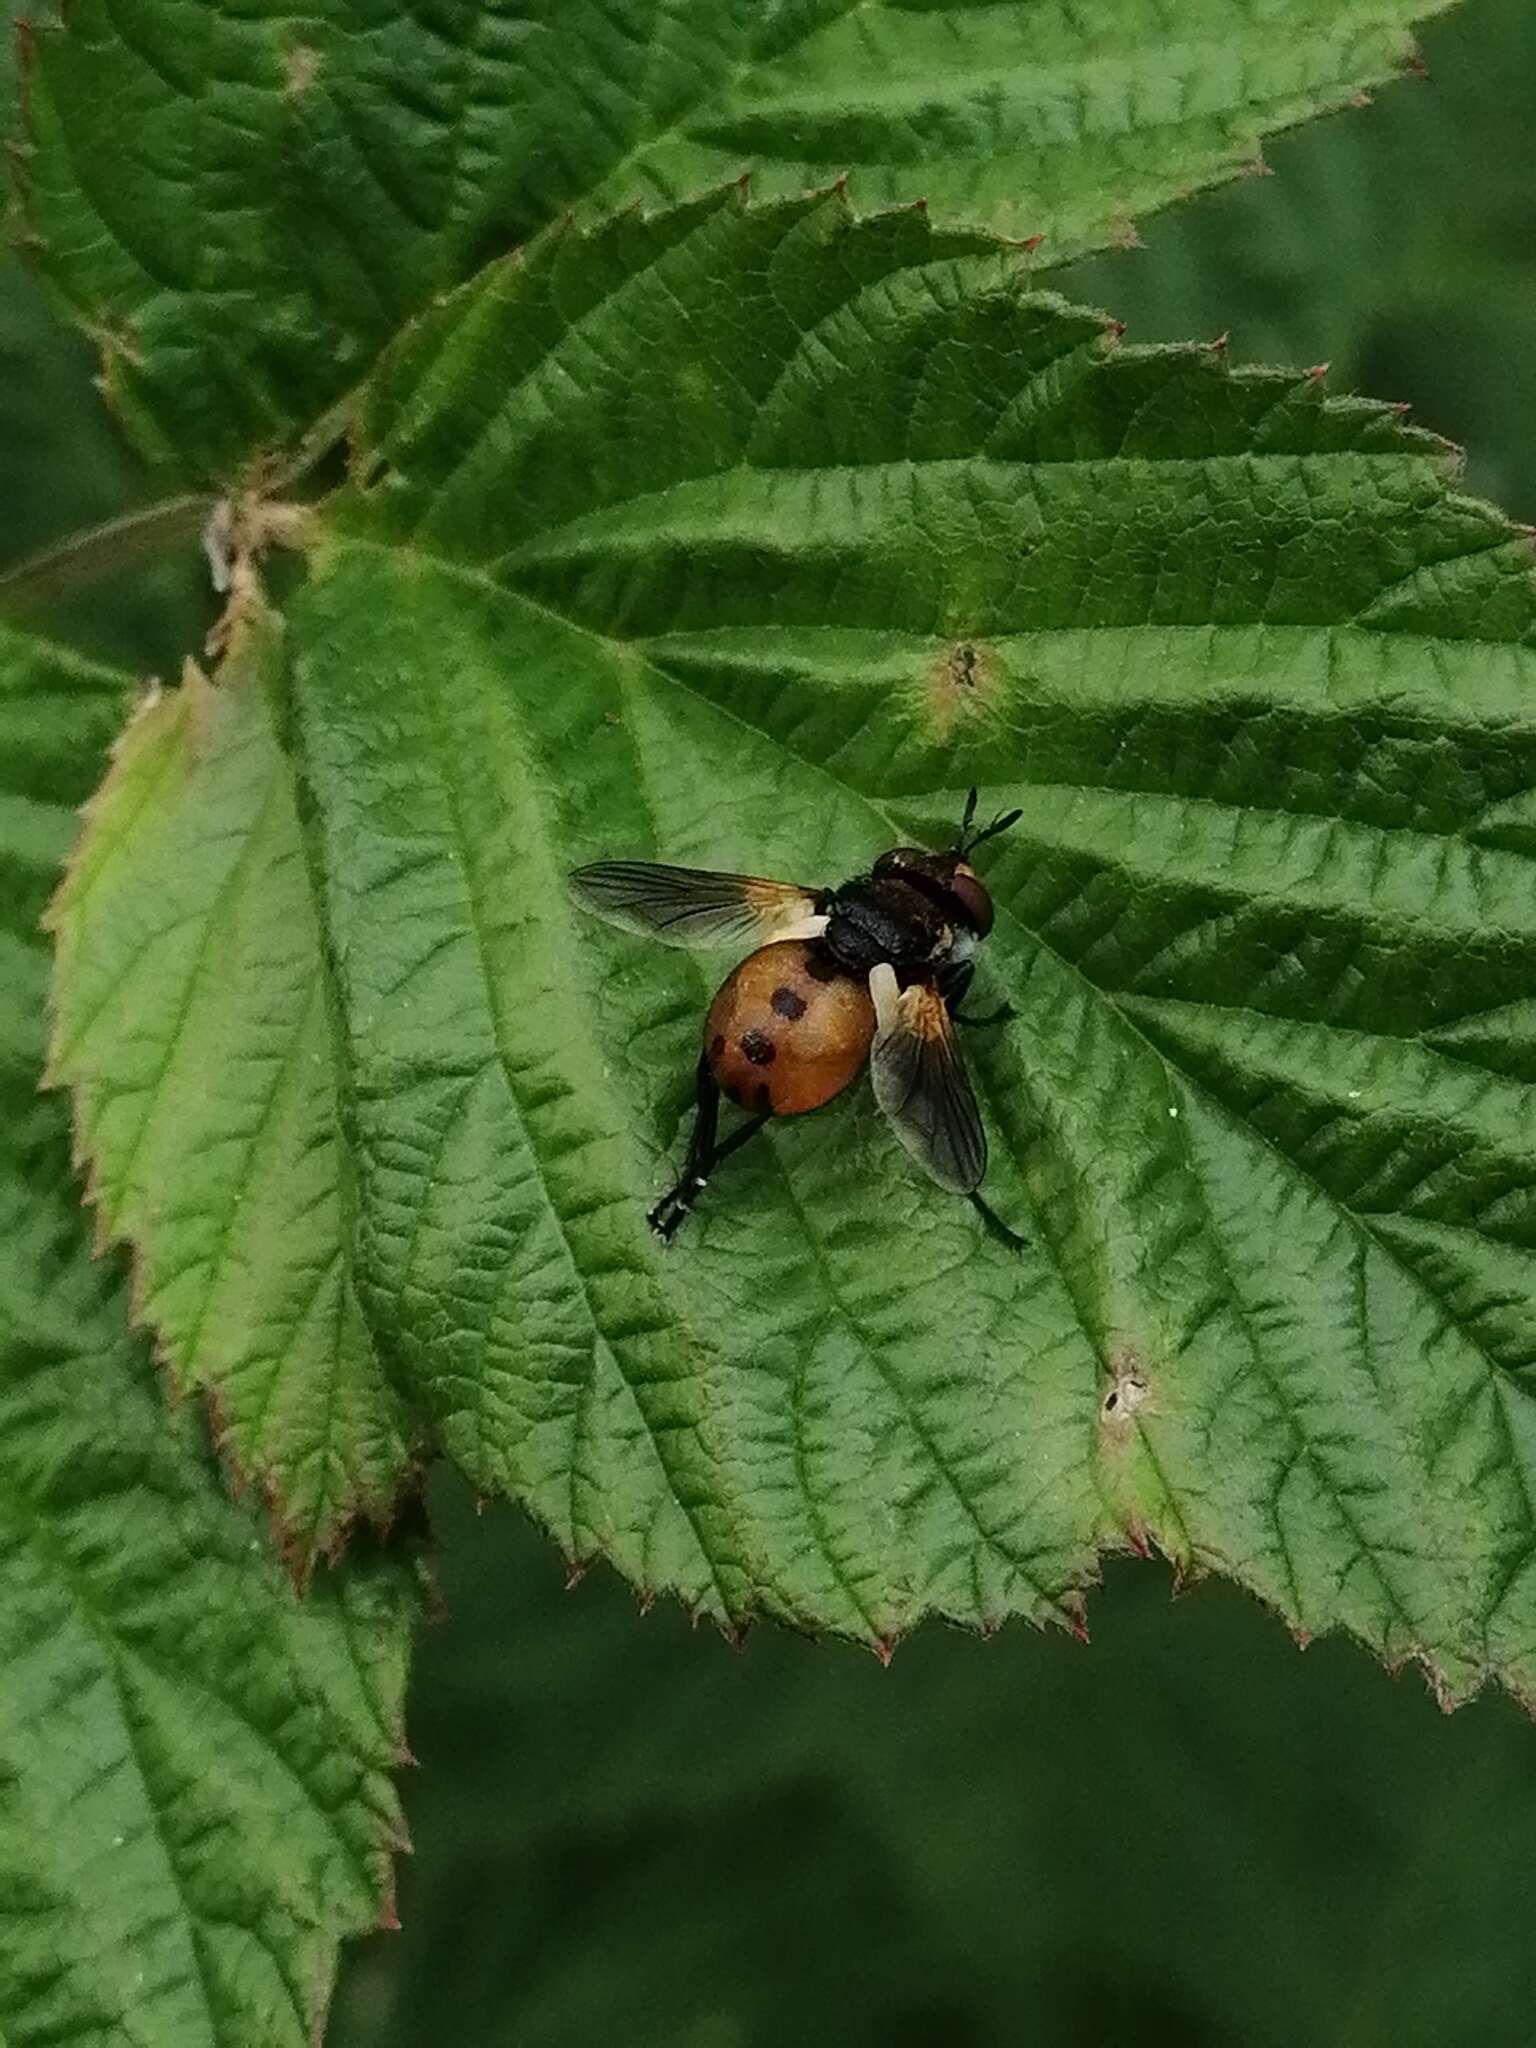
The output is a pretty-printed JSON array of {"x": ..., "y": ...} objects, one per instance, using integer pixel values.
[
  {"x": 1396, "y": 244},
  {"x": 275, "y": 194},
  {"x": 195, "y": 1800},
  {"x": 751, "y": 538},
  {"x": 194, "y": 1017},
  {"x": 58, "y": 713},
  {"x": 195, "y": 1796}
]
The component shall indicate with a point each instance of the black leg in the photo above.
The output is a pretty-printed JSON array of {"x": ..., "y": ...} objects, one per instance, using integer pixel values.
[
  {"x": 998, "y": 1016},
  {"x": 704, "y": 1155},
  {"x": 674, "y": 1204},
  {"x": 953, "y": 979},
  {"x": 996, "y": 1225},
  {"x": 739, "y": 1137},
  {"x": 953, "y": 982}
]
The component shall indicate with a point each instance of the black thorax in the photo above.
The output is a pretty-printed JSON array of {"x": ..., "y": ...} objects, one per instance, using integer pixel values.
[{"x": 888, "y": 919}]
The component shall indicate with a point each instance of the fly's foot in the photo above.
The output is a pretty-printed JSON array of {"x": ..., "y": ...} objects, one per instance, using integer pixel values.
[
  {"x": 1000, "y": 1015},
  {"x": 995, "y": 1224},
  {"x": 667, "y": 1217}
]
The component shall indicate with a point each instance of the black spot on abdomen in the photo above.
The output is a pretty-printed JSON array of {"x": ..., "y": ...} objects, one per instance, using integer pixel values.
[
  {"x": 820, "y": 965},
  {"x": 759, "y": 1048},
  {"x": 788, "y": 1004}
]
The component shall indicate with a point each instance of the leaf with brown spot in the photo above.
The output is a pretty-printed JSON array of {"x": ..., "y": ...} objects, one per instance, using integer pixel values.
[
  {"x": 656, "y": 535},
  {"x": 1265, "y": 922}
]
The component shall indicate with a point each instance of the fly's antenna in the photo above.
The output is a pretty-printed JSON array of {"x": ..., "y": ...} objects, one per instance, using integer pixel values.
[{"x": 969, "y": 840}]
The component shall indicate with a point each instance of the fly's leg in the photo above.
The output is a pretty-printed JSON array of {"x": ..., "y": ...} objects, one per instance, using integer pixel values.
[
  {"x": 705, "y": 1152},
  {"x": 739, "y": 1137},
  {"x": 998, "y": 1016},
  {"x": 669, "y": 1212},
  {"x": 995, "y": 1223},
  {"x": 953, "y": 979},
  {"x": 677, "y": 1201},
  {"x": 952, "y": 983}
]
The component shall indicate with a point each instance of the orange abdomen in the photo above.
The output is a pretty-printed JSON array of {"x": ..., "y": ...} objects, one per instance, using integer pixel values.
[{"x": 788, "y": 1030}]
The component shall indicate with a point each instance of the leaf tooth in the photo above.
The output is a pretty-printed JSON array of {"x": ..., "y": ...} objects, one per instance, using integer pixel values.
[{"x": 1187, "y": 1574}]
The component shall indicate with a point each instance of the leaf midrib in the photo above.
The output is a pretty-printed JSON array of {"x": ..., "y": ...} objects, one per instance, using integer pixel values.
[
  {"x": 468, "y": 869},
  {"x": 1002, "y": 471},
  {"x": 617, "y": 650},
  {"x": 939, "y": 1462},
  {"x": 1016, "y": 1564},
  {"x": 41, "y": 1536},
  {"x": 1237, "y": 118}
]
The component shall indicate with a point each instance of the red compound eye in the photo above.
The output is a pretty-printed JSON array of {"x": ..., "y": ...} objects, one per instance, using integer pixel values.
[{"x": 974, "y": 900}]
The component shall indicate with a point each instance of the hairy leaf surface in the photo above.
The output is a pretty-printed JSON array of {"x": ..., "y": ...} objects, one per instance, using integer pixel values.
[
  {"x": 750, "y": 538},
  {"x": 195, "y": 1796},
  {"x": 276, "y": 193},
  {"x": 193, "y": 1014}
]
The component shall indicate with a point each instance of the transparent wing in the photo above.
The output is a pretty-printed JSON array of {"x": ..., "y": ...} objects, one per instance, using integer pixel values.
[
  {"x": 695, "y": 906},
  {"x": 921, "y": 1084}
]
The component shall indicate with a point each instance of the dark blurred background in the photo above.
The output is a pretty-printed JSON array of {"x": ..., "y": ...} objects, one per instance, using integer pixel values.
[{"x": 1186, "y": 1833}]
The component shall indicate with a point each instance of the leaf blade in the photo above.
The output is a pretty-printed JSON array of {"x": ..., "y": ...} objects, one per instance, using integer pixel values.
[
  {"x": 195, "y": 1770},
  {"x": 784, "y": 530},
  {"x": 770, "y": 595},
  {"x": 212, "y": 1128},
  {"x": 272, "y": 204}
]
